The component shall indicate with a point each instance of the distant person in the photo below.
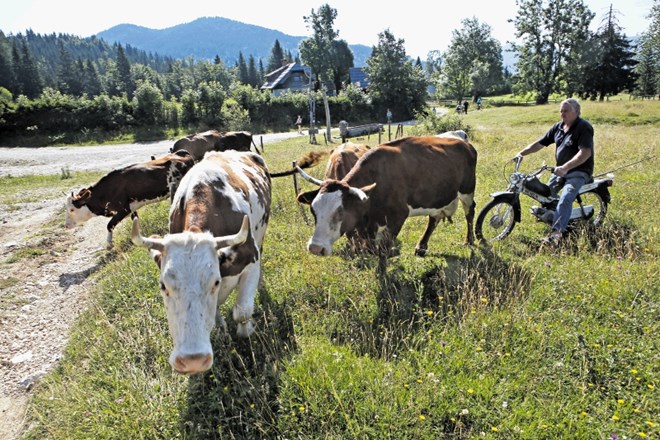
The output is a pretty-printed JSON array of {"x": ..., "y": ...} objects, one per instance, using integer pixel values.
[
  {"x": 465, "y": 106},
  {"x": 459, "y": 108},
  {"x": 479, "y": 103},
  {"x": 299, "y": 124},
  {"x": 389, "y": 116},
  {"x": 574, "y": 152}
]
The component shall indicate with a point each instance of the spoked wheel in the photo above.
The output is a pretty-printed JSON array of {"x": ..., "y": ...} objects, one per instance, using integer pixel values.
[
  {"x": 495, "y": 221},
  {"x": 593, "y": 204}
]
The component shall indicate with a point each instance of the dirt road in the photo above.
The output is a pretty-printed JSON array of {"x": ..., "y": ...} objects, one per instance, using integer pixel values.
[{"x": 46, "y": 270}]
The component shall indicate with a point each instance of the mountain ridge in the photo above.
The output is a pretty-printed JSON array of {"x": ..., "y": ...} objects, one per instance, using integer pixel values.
[{"x": 223, "y": 37}]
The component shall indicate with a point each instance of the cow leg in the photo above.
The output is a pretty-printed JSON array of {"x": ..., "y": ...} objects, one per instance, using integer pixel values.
[
  {"x": 247, "y": 289},
  {"x": 467, "y": 200},
  {"x": 114, "y": 221},
  {"x": 422, "y": 245},
  {"x": 386, "y": 235}
]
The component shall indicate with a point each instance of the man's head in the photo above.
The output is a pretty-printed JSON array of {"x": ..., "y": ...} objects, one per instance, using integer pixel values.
[{"x": 569, "y": 110}]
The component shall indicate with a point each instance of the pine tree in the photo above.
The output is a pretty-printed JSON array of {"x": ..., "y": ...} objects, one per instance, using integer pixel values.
[
  {"x": 243, "y": 75},
  {"x": 613, "y": 70},
  {"x": 276, "y": 59},
  {"x": 26, "y": 73},
  {"x": 253, "y": 76},
  {"x": 123, "y": 80}
]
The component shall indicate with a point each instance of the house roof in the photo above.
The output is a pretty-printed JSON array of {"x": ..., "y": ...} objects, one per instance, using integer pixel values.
[{"x": 279, "y": 76}]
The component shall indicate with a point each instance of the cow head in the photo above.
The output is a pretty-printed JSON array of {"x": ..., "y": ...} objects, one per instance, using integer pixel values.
[
  {"x": 190, "y": 280},
  {"x": 338, "y": 208},
  {"x": 76, "y": 210}
]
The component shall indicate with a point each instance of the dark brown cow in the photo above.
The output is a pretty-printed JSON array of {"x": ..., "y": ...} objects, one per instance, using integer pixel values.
[
  {"x": 121, "y": 192},
  {"x": 213, "y": 140},
  {"x": 204, "y": 258},
  {"x": 407, "y": 177}
]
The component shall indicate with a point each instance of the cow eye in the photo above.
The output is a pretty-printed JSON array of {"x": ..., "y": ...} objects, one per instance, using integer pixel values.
[
  {"x": 217, "y": 283},
  {"x": 164, "y": 290}
]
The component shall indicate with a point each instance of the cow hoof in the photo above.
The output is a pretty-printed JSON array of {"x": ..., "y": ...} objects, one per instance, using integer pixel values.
[
  {"x": 245, "y": 328},
  {"x": 419, "y": 252},
  {"x": 220, "y": 322}
]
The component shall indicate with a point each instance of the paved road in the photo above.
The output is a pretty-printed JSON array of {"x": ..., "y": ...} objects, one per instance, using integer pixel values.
[{"x": 53, "y": 160}]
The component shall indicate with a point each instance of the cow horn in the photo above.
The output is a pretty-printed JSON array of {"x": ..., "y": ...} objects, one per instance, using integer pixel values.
[
  {"x": 139, "y": 240},
  {"x": 238, "y": 238},
  {"x": 308, "y": 178}
]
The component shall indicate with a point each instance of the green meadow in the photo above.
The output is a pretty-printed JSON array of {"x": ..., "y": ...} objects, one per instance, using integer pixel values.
[{"x": 508, "y": 341}]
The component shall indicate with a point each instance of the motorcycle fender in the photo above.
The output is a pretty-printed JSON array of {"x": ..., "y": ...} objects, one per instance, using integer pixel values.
[
  {"x": 510, "y": 197},
  {"x": 598, "y": 186}
]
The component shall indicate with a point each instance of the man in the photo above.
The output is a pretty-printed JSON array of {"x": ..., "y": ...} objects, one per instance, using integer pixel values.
[{"x": 574, "y": 141}]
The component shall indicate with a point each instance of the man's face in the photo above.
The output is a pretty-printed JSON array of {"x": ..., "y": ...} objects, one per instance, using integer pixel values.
[{"x": 568, "y": 114}]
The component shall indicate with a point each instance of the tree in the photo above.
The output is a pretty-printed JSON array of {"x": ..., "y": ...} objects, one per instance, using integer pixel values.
[
  {"x": 612, "y": 72},
  {"x": 242, "y": 73},
  {"x": 648, "y": 67},
  {"x": 69, "y": 79},
  {"x": 91, "y": 80},
  {"x": 7, "y": 79},
  {"x": 253, "y": 75},
  {"x": 549, "y": 30},
  {"x": 330, "y": 59},
  {"x": 473, "y": 61},
  {"x": 148, "y": 102},
  {"x": 25, "y": 71},
  {"x": 124, "y": 80},
  {"x": 276, "y": 59},
  {"x": 394, "y": 82}
]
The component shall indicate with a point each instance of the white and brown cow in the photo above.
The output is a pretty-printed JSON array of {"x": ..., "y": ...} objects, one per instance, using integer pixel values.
[
  {"x": 411, "y": 176},
  {"x": 123, "y": 191},
  {"x": 217, "y": 225},
  {"x": 213, "y": 140}
]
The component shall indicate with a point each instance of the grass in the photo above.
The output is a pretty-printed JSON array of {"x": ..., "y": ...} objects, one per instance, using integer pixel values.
[{"x": 501, "y": 342}]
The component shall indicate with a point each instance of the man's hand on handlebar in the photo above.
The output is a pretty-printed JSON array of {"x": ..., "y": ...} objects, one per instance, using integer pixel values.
[{"x": 518, "y": 158}]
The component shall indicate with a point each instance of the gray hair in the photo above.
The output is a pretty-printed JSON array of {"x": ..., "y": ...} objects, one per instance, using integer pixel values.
[{"x": 573, "y": 103}]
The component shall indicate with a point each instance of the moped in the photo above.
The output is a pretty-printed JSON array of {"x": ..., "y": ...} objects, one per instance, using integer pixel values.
[{"x": 499, "y": 216}]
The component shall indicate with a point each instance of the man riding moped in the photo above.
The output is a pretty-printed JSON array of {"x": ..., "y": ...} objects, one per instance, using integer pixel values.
[{"x": 574, "y": 154}]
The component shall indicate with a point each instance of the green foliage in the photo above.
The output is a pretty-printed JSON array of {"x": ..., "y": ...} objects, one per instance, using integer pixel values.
[
  {"x": 507, "y": 341},
  {"x": 549, "y": 31},
  {"x": 394, "y": 82}
]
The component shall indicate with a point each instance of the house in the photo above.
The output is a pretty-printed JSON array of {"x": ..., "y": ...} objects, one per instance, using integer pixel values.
[
  {"x": 358, "y": 77},
  {"x": 291, "y": 77}
]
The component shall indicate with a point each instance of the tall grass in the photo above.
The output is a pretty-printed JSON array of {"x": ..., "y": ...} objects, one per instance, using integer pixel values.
[{"x": 499, "y": 342}]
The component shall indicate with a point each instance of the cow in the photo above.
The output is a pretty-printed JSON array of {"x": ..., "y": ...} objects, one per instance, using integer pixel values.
[
  {"x": 460, "y": 134},
  {"x": 203, "y": 257},
  {"x": 123, "y": 191},
  {"x": 411, "y": 176},
  {"x": 340, "y": 160},
  {"x": 213, "y": 140}
]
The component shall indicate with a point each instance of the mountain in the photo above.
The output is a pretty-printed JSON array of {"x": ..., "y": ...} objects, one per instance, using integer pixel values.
[{"x": 207, "y": 37}]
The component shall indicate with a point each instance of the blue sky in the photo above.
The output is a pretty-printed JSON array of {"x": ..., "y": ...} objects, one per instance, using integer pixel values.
[{"x": 422, "y": 26}]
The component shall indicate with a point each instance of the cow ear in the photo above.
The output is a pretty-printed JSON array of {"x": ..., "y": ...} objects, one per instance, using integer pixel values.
[
  {"x": 307, "y": 197},
  {"x": 157, "y": 256}
]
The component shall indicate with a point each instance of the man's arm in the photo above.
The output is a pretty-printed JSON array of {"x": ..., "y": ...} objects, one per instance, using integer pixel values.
[
  {"x": 529, "y": 149},
  {"x": 581, "y": 157}
]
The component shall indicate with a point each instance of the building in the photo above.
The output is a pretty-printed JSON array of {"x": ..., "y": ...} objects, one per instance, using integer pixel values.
[{"x": 291, "y": 77}]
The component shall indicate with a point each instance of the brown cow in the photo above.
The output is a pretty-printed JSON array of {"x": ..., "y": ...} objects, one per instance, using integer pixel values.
[
  {"x": 213, "y": 140},
  {"x": 340, "y": 162},
  {"x": 410, "y": 176},
  {"x": 121, "y": 192}
]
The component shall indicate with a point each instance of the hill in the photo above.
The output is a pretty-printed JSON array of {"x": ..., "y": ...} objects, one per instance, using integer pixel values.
[{"x": 207, "y": 37}]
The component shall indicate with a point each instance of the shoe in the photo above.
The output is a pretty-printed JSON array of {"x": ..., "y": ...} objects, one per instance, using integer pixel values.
[{"x": 553, "y": 239}]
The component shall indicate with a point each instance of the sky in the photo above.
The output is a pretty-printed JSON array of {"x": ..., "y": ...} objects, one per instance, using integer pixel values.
[{"x": 423, "y": 25}]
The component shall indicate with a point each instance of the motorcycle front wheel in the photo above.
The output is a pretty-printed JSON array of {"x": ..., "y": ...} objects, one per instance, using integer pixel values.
[
  {"x": 588, "y": 201},
  {"x": 495, "y": 221}
]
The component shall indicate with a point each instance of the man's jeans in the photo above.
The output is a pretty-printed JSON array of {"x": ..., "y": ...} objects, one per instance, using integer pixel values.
[{"x": 573, "y": 182}]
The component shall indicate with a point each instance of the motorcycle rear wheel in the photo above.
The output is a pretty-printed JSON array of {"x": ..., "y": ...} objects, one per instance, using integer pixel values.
[
  {"x": 599, "y": 205},
  {"x": 495, "y": 221}
]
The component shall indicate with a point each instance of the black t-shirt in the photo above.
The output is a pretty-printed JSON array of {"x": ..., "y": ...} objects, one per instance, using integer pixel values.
[{"x": 579, "y": 135}]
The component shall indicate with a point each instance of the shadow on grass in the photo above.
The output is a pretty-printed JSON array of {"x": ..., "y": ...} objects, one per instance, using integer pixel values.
[
  {"x": 444, "y": 294},
  {"x": 238, "y": 397}
]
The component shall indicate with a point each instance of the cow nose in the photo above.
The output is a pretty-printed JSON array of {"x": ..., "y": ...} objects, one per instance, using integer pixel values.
[
  {"x": 193, "y": 363},
  {"x": 316, "y": 249}
]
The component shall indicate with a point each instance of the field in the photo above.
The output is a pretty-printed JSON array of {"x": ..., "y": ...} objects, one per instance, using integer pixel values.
[{"x": 503, "y": 342}]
